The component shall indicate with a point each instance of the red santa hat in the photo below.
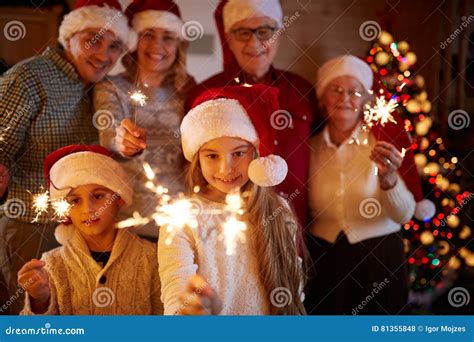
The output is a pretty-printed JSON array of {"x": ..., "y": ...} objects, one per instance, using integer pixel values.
[
  {"x": 76, "y": 165},
  {"x": 102, "y": 14},
  {"x": 164, "y": 14},
  {"x": 395, "y": 134},
  {"x": 239, "y": 112}
]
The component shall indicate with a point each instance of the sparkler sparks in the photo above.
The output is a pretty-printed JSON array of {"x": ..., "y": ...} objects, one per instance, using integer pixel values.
[{"x": 380, "y": 112}]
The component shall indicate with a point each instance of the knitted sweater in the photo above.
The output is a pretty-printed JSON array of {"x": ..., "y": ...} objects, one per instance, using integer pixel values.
[
  {"x": 202, "y": 251},
  {"x": 127, "y": 285}
]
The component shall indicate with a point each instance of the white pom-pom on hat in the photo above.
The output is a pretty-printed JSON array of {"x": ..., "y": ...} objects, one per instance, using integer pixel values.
[
  {"x": 268, "y": 171},
  {"x": 425, "y": 210},
  {"x": 63, "y": 233}
]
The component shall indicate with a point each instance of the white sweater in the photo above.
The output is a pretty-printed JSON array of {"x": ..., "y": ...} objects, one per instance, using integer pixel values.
[
  {"x": 131, "y": 287},
  {"x": 345, "y": 194},
  {"x": 200, "y": 251}
]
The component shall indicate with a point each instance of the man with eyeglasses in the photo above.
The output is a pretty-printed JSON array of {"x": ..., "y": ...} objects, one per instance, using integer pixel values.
[{"x": 249, "y": 32}]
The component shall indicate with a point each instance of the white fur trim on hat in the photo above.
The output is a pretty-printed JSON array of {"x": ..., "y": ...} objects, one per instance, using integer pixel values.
[
  {"x": 346, "y": 65},
  {"x": 268, "y": 171},
  {"x": 425, "y": 210},
  {"x": 237, "y": 10},
  {"x": 104, "y": 18},
  {"x": 153, "y": 18},
  {"x": 215, "y": 119},
  {"x": 82, "y": 168}
]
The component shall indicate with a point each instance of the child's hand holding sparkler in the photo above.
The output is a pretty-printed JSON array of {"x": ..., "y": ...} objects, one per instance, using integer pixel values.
[
  {"x": 199, "y": 298},
  {"x": 34, "y": 280},
  {"x": 130, "y": 139}
]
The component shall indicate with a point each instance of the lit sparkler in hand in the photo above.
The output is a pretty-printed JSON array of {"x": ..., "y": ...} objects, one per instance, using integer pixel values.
[{"x": 139, "y": 99}]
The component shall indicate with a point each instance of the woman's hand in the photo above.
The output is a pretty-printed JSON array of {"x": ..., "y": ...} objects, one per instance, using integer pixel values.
[
  {"x": 34, "y": 280},
  {"x": 199, "y": 298},
  {"x": 388, "y": 160},
  {"x": 129, "y": 138}
]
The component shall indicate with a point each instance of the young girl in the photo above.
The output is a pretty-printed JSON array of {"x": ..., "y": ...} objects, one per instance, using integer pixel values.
[
  {"x": 157, "y": 67},
  {"x": 228, "y": 138},
  {"x": 99, "y": 270}
]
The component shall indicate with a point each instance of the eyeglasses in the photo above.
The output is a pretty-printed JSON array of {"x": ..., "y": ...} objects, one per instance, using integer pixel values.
[
  {"x": 340, "y": 91},
  {"x": 263, "y": 33}
]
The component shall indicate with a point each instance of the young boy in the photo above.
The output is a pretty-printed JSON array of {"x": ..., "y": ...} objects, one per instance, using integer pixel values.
[{"x": 99, "y": 269}]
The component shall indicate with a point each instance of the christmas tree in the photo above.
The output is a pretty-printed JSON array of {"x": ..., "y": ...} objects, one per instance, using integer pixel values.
[{"x": 439, "y": 248}]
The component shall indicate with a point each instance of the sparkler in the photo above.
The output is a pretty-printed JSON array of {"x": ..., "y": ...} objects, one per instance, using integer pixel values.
[
  {"x": 139, "y": 99},
  {"x": 380, "y": 113},
  {"x": 42, "y": 202}
]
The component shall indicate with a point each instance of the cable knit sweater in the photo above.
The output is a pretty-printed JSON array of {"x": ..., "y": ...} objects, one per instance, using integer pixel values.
[
  {"x": 201, "y": 251},
  {"x": 127, "y": 285}
]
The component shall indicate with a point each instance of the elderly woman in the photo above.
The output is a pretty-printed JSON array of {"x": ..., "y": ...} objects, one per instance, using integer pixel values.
[
  {"x": 158, "y": 69},
  {"x": 358, "y": 200}
]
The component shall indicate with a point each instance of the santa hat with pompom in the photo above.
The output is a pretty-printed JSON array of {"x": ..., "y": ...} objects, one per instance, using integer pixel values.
[
  {"x": 394, "y": 133},
  {"x": 240, "y": 112},
  {"x": 102, "y": 14},
  {"x": 76, "y": 165},
  {"x": 145, "y": 14}
]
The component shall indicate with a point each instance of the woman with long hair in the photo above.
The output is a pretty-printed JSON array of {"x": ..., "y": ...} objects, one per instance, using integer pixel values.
[{"x": 156, "y": 69}]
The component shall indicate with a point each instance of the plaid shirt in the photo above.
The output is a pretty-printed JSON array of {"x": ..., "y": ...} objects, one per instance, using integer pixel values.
[{"x": 44, "y": 105}]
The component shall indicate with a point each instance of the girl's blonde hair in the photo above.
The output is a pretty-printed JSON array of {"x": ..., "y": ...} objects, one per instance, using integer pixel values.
[
  {"x": 273, "y": 238},
  {"x": 176, "y": 76}
]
